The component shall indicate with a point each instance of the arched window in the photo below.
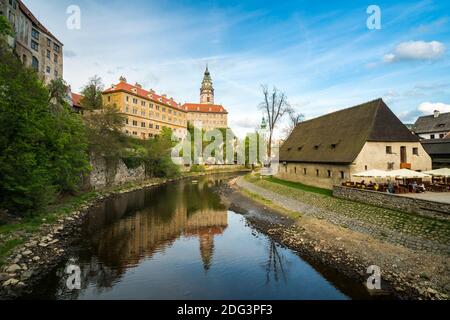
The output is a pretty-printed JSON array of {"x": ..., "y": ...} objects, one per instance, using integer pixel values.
[{"x": 35, "y": 64}]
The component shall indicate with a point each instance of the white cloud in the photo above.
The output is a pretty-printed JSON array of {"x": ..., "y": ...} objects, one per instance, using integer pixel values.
[
  {"x": 429, "y": 107},
  {"x": 416, "y": 50}
]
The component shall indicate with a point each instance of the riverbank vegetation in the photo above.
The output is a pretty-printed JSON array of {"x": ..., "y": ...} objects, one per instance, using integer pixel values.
[
  {"x": 47, "y": 147},
  {"x": 295, "y": 185}
]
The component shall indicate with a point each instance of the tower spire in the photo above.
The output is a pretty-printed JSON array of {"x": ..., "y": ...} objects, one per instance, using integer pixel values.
[{"x": 207, "y": 89}]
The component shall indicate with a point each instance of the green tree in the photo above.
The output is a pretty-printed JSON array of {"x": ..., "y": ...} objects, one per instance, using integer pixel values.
[
  {"x": 92, "y": 94},
  {"x": 104, "y": 122},
  {"x": 41, "y": 152},
  {"x": 158, "y": 161},
  {"x": 5, "y": 27}
]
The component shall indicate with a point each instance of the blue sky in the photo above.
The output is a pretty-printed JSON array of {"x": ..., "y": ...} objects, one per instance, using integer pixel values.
[{"x": 320, "y": 53}]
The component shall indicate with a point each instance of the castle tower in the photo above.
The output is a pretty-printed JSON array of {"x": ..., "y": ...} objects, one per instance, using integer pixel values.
[{"x": 207, "y": 89}]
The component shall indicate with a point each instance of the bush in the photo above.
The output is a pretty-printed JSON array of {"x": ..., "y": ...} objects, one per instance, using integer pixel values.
[{"x": 42, "y": 152}]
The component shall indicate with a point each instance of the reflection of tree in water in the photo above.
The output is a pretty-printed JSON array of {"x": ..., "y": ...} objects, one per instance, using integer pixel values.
[
  {"x": 124, "y": 230},
  {"x": 275, "y": 265}
]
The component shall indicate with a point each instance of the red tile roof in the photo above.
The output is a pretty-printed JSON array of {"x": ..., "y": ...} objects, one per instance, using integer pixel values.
[
  {"x": 137, "y": 91},
  {"x": 76, "y": 99},
  {"x": 35, "y": 21},
  {"x": 204, "y": 108}
]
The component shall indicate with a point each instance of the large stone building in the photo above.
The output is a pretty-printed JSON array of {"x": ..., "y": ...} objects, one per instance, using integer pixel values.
[
  {"x": 33, "y": 43},
  {"x": 146, "y": 112},
  {"x": 328, "y": 150},
  {"x": 207, "y": 114}
]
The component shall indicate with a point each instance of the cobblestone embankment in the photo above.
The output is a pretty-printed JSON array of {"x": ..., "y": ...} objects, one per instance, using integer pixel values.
[{"x": 411, "y": 231}]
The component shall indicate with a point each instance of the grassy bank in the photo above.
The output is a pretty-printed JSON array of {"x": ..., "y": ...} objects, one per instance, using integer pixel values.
[{"x": 294, "y": 185}]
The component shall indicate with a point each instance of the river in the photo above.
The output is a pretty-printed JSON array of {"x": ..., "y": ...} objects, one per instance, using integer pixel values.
[{"x": 180, "y": 241}]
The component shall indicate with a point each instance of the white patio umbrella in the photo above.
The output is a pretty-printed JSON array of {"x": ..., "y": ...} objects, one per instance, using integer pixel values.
[
  {"x": 372, "y": 174},
  {"x": 407, "y": 174},
  {"x": 444, "y": 172}
]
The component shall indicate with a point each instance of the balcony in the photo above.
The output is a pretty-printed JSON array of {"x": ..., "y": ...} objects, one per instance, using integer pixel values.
[{"x": 405, "y": 166}]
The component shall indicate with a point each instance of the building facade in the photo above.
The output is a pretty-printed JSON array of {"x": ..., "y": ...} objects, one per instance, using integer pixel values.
[
  {"x": 329, "y": 150},
  {"x": 207, "y": 114},
  {"x": 146, "y": 112},
  {"x": 33, "y": 43},
  {"x": 436, "y": 126}
]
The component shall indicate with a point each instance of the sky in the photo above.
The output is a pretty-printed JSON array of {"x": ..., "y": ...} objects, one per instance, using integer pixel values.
[{"x": 321, "y": 54}]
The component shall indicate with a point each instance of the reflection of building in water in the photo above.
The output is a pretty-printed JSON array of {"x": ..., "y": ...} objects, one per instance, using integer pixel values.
[
  {"x": 148, "y": 232},
  {"x": 206, "y": 224}
]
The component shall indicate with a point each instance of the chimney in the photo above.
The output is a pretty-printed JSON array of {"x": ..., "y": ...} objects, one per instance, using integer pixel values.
[
  {"x": 164, "y": 96},
  {"x": 436, "y": 113},
  {"x": 138, "y": 85},
  {"x": 122, "y": 80}
]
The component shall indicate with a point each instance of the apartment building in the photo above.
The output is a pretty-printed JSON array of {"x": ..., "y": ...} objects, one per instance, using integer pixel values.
[{"x": 35, "y": 45}]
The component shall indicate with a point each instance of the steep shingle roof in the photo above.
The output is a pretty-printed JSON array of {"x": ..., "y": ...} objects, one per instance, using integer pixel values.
[
  {"x": 340, "y": 136},
  {"x": 429, "y": 124}
]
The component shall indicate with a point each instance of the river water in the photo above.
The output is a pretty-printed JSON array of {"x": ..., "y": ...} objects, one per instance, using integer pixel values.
[{"x": 179, "y": 241}]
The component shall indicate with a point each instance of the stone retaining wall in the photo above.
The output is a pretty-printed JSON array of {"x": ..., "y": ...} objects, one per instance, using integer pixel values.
[
  {"x": 392, "y": 201},
  {"x": 105, "y": 174}
]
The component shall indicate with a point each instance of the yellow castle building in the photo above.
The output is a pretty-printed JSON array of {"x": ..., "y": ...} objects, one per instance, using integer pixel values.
[{"x": 147, "y": 112}]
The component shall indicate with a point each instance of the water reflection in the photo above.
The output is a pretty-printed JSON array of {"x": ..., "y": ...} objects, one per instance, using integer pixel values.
[
  {"x": 180, "y": 242},
  {"x": 129, "y": 228}
]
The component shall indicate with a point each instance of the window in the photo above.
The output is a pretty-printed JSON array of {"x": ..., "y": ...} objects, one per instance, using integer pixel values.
[
  {"x": 34, "y": 45},
  {"x": 135, "y": 101},
  {"x": 150, "y": 125},
  {"x": 388, "y": 150},
  {"x": 35, "y": 34},
  {"x": 143, "y": 125},
  {"x": 441, "y": 136},
  {"x": 432, "y": 136},
  {"x": 35, "y": 64},
  {"x": 109, "y": 98},
  {"x": 295, "y": 170},
  {"x": 135, "y": 133},
  {"x": 56, "y": 48},
  {"x": 157, "y": 107},
  {"x": 416, "y": 151},
  {"x": 49, "y": 42},
  {"x": 151, "y": 105},
  {"x": 128, "y": 98},
  {"x": 135, "y": 123},
  {"x": 317, "y": 172},
  {"x": 304, "y": 171},
  {"x": 342, "y": 175},
  {"x": 55, "y": 59},
  {"x": 390, "y": 165},
  {"x": 143, "y": 103},
  {"x": 47, "y": 69},
  {"x": 56, "y": 74},
  {"x": 329, "y": 173},
  {"x": 48, "y": 54},
  {"x": 157, "y": 127},
  {"x": 126, "y": 121},
  {"x": 366, "y": 168}
]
